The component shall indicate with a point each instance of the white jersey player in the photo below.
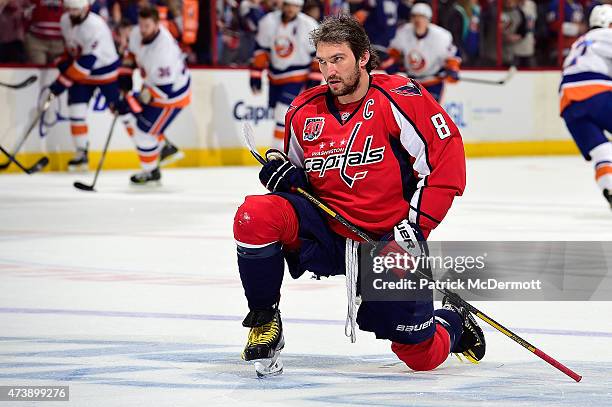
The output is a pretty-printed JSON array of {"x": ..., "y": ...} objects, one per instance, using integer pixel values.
[
  {"x": 90, "y": 62},
  {"x": 283, "y": 48},
  {"x": 425, "y": 50},
  {"x": 166, "y": 90},
  {"x": 586, "y": 95}
]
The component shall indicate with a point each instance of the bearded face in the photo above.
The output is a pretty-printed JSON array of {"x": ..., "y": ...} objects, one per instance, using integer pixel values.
[{"x": 344, "y": 84}]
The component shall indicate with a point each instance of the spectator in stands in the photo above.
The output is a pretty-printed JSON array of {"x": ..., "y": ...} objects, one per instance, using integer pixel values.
[
  {"x": 524, "y": 49},
  {"x": 514, "y": 29},
  {"x": 462, "y": 19},
  {"x": 314, "y": 9},
  {"x": 339, "y": 7},
  {"x": 572, "y": 26},
  {"x": 488, "y": 33},
  {"x": 379, "y": 19},
  {"x": 125, "y": 10},
  {"x": 250, "y": 11},
  {"x": 228, "y": 26},
  {"x": 12, "y": 31},
  {"x": 100, "y": 7},
  {"x": 43, "y": 39}
]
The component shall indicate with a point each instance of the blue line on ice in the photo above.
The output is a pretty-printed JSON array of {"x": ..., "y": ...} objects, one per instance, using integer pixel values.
[{"x": 208, "y": 317}]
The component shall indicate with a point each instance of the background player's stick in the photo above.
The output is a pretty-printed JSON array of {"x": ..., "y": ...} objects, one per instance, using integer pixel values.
[
  {"x": 39, "y": 165},
  {"x": 40, "y": 113},
  {"x": 502, "y": 81},
  {"x": 90, "y": 188},
  {"x": 248, "y": 135},
  {"x": 28, "y": 81}
]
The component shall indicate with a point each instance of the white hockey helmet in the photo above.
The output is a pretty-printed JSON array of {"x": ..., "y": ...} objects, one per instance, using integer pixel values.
[
  {"x": 601, "y": 16},
  {"x": 421, "y": 9},
  {"x": 76, "y": 4},
  {"x": 294, "y": 2}
]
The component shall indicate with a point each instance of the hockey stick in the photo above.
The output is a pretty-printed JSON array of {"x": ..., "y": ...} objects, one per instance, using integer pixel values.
[
  {"x": 502, "y": 81},
  {"x": 27, "y": 82},
  {"x": 42, "y": 111},
  {"x": 39, "y": 165},
  {"x": 248, "y": 136},
  {"x": 90, "y": 188}
]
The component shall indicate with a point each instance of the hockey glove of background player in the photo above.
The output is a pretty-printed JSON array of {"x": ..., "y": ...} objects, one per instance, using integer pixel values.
[
  {"x": 451, "y": 76},
  {"x": 128, "y": 104},
  {"x": 451, "y": 70},
  {"x": 255, "y": 80},
  {"x": 279, "y": 175},
  {"x": 62, "y": 82},
  {"x": 60, "y": 85}
]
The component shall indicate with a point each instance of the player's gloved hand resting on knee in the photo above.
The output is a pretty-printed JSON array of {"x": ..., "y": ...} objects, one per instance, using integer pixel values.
[
  {"x": 279, "y": 175},
  {"x": 406, "y": 237}
]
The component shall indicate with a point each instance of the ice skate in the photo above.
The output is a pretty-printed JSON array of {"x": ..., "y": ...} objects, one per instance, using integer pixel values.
[
  {"x": 472, "y": 344},
  {"x": 608, "y": 197},
  {"x": 169, "y": 154},
  {"x": 265, "y": 342},
  {"x": 146, "y": 178},
  {"x": 80, "y": 161}
]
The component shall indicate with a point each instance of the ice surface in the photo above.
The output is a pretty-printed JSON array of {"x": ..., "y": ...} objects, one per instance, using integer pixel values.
[{"x": 132, "y": 298}]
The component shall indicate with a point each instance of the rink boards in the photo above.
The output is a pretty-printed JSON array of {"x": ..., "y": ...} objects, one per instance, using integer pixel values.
[{"x": 518, "y": 118}]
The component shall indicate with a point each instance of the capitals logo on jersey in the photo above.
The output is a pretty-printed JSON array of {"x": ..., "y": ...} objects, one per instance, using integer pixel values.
[
  {"x": 409, "y": 89},
  {"x": 313, "y": 127},
  {"x": 346, "y": 158}
]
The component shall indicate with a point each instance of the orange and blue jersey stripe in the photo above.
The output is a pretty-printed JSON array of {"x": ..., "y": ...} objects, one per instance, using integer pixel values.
[
  {"x": 164, "y": 96},
  {"x": 581, "y": 86}
]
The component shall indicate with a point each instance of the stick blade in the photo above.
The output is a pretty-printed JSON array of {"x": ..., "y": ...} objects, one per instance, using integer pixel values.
[
  {"x": 30, "y": 80},
  {"x": 509, "y": 75},
  {"x": 40, "y": 164},
  {"x": 83, "y": 187},
  {"x": 5, "y": 165},
  {"x": 248, "y": 136}
]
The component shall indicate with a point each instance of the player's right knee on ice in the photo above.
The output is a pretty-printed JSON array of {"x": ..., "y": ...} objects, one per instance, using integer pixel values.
[
  {"x": 264, "y": 219},
  {"x": 426, "y": 355}
]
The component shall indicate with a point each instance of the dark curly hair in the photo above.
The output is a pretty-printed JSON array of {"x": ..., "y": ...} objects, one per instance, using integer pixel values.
[{"x": 344, "y": 28}]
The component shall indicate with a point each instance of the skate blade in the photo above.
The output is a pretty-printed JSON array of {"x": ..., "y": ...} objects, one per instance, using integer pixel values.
[
  {"x": 268, "y": 367},
  {"x": 78, "y": 168},
  {"x": 172, "y": 159},
  {"x": 146, "y": 185}
]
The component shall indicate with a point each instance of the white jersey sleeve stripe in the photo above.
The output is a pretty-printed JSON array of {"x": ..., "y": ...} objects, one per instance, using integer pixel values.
[
  {"x": 415, "y": 146},
  {"x": 295, "y": 152}
]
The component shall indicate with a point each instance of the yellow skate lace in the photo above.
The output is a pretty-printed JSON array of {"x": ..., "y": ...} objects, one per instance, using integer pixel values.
[
  {"x": 263, "y": 335},
  {"x": 469, "y": 355}
]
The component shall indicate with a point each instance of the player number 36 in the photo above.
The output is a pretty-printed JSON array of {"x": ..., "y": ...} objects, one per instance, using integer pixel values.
[{"x": 440, "y": 125}]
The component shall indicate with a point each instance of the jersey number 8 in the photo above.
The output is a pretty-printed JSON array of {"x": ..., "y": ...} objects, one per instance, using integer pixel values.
[{"x": 441, "y": 126}]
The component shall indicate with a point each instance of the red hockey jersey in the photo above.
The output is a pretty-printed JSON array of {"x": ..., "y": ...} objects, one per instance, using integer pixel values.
[{"x": 394, "y": 154}]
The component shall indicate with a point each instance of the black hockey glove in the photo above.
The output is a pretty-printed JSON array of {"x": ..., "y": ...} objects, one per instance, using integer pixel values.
[
  {"x": 255, "y": 80},
  {"x": 128, "y": 104},
  {"x": 279, "y": 175},
  {"x": 57, "y": 87}
]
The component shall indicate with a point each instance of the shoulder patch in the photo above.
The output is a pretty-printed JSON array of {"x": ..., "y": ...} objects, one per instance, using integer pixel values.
[{"x": 409, "y": 89}]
